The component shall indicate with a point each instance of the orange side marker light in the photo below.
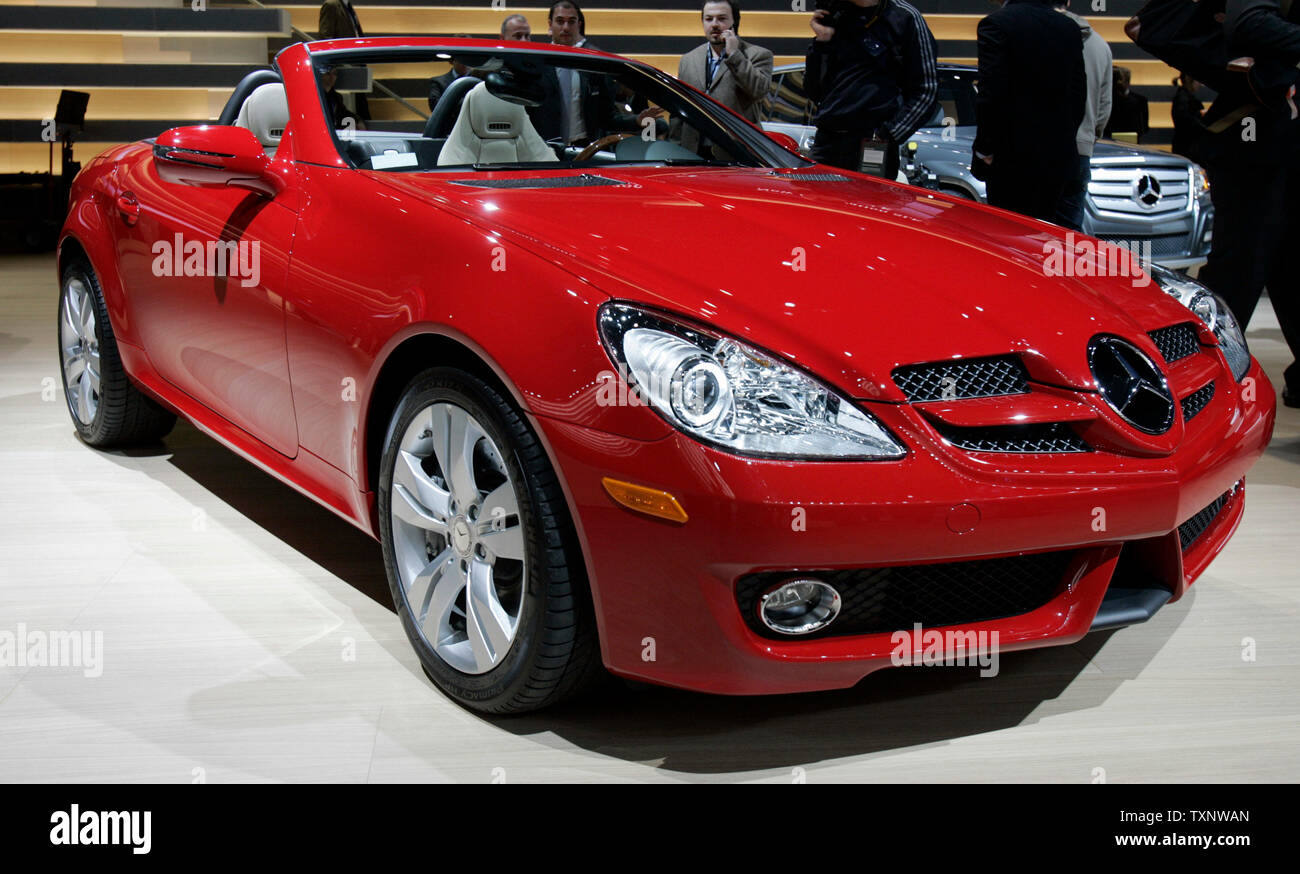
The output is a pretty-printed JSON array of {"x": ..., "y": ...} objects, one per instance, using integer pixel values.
[{"x": 643, "y": 499}]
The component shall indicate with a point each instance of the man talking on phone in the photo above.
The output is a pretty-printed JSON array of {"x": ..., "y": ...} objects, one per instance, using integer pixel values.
[
  {"x": 733, "y": 72},
  {"x": 871, "y": 71}
]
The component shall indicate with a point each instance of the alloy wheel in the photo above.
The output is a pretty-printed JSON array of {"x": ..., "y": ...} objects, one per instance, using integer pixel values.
[
  {"x": 458, "y": 538},
  {"x": 80, "y": 348}
]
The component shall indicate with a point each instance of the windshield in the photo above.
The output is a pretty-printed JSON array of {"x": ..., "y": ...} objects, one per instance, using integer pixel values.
[
  {"x": 502, "y": 109},
  {"x": 956, "y": 97}
]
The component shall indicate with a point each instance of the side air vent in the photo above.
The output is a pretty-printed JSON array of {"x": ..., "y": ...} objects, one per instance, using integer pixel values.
[
  {"x": 1191, "y": 530},
  {"x": 1196, "y": 401},
  {"x": 813, "y": 177},
  {"x": 583, "y": 181},
  {"x": 955, "y": 380},
  {"x": 1043, "y": 438},
  {"x": 1176, "y": 342}
]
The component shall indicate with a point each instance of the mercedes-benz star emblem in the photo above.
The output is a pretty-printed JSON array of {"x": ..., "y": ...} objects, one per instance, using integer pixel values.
[
  {"x": 1132, "y": 385},
  {"x": 1146, "y": 190}
]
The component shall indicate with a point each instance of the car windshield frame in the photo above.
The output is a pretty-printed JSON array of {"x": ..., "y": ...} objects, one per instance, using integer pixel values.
[{"x": 709, "y": 117}]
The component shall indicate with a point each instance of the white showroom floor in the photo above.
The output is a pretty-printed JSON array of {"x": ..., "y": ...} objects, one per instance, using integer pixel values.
[{"x": 247, "y": 636}]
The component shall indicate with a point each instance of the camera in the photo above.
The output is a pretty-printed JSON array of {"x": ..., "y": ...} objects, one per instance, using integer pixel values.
[{"x": 838, "y": 9}]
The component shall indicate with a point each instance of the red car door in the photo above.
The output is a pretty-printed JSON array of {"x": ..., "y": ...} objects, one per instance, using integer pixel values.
[{"x": 205, "y": 271}]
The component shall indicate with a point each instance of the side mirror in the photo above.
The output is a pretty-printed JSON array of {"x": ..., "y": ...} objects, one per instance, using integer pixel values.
[
  {"x": 784, "y": 140},
  {"x": 211, "y": 155}
]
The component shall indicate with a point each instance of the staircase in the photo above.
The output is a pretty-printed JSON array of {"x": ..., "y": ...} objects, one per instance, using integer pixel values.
[{"x": 153, "y": 64}]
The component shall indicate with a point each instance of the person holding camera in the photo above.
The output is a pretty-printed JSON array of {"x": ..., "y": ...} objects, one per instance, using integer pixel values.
[
  {"x": 872, "y": 72},
  {"x": 1252, "y": 153}
]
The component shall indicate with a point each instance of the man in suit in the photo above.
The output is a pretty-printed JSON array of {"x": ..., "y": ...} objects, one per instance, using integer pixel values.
[
  {"x": 516, "y": 27},
  {"x": 733, "y": 72},
  {"x": 338, "y": 20},
  {"x": 1032, "y": 90},
  {"x": 1129, "y": 112},
  {"x": 438, "y": 84},
  {"x": 582, "y": 108}
]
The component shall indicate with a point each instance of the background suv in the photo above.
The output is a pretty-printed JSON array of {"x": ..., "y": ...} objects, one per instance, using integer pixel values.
[{"x": 1137, "y": 195}]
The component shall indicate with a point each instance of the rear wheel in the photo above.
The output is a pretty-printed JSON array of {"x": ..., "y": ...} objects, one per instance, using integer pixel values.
[
  {"x": 106, "y": 408},
  {"x": 481, "y": 557}
]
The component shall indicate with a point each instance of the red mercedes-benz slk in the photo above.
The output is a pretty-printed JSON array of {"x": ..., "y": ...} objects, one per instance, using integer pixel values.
[{"x": 616, "y": 379}]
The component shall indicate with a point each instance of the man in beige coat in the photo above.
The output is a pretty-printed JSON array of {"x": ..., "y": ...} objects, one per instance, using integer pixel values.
[{"x": 733, "y": 72}]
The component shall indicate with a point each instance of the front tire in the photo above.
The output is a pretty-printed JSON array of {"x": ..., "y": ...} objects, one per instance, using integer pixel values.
[
  {"x": 481, "y": 557},
  {"x": 106, "y": 409}
]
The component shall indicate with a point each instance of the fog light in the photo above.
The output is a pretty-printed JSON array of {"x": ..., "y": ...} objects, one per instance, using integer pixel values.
[{"x": 799, "y": 606}]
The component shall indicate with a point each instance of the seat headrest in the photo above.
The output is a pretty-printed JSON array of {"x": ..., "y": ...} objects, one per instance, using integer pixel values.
[
  {"x": 492, "y": 118},
  {"x": 490, "y": 130},
  {"x": 266, "y": 114}
]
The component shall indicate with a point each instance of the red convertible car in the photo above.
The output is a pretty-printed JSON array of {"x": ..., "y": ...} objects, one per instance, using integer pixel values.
[{"x": 708, "y": 416}]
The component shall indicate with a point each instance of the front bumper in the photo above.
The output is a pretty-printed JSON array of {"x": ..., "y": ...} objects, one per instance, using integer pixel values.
[{"x": 665, "y": 594}]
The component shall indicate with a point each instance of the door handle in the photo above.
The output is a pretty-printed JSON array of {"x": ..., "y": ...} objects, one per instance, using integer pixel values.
[{"x": 128, "y": 207}]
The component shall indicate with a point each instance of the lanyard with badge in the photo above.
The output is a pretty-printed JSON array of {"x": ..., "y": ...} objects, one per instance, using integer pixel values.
[{"x": 875, "y": 149}]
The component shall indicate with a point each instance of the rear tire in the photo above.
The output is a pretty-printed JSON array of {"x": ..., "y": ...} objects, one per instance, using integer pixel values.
[
  {"x": 482, "y": 560},
  {"x": 106, "y": 409}
]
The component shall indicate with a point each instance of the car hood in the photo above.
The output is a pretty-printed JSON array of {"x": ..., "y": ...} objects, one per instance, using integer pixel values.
[
  {"x": 1115, "y": 149},
  {"x": 955, "y": 144},
  {"x": 849, "y": 277}
]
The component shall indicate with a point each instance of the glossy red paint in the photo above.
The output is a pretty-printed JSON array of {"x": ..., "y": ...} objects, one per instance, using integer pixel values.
[
  {"x": 215, "y": 156},
  {"x": 358, "y": 268}
]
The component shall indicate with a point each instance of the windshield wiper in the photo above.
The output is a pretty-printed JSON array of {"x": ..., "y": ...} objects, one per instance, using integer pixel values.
[
  {"x": 522, "y": 165},
  {"x": 696, "y": 162}
]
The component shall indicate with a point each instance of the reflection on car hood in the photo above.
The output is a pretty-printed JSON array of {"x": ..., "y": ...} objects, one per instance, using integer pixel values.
[{"x": 849, "y": 278}]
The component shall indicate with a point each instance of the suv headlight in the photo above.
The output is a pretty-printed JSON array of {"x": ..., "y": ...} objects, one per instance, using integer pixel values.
[
  {"x": 729, "y": 394},
  {"x": 1210, "y": 309},
  {"x": 1200, "y": 181}
]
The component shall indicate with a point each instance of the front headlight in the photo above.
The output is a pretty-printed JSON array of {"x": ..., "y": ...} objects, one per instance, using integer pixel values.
[
  {"x": 1211, "y": 309},
  {"x": 729, "y": 394},
  {"x": 1200, "y": 181}
]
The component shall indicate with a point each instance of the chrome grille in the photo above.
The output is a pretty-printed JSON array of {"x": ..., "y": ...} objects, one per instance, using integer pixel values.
[
  {"x": 1041, "y": 438},
  {"x": 1196, "y": 401},
  {"x": 1120, "y": 188},
  {"x": 1163, "y": 246},
  {"x": 1176, "y": 342},
  {"x": 955, "y": 380}
]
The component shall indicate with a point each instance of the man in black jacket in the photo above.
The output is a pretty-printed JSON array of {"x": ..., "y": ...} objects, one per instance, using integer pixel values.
[
  {"x": 1032, "y": 90},
  {"x": 871, "y": 71},
  {"x": 1254, "y": 167}
]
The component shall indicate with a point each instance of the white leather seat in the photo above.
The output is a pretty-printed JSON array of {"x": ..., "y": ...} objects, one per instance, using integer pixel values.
[
  {"x": 491, "y": 131},
  {"x": 266, "y": 114}
]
